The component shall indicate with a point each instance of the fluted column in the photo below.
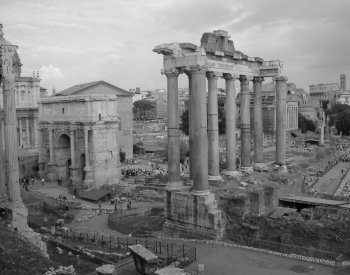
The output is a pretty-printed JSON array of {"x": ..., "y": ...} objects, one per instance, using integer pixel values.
[
  {"x": 174, "y": 180},
  {"x": 213, "y": 128},
  {"x": 86, "y": 140},
  {"x": 52, "y": 176},
  {"x": 89, "y": 175},
  {"x": 27, "y": 133},
  {"x": 51, "y": 145},
  {"x": 36, "y": 133},
  {"x": 41, "y": 160},
  {"x": 281, "y": 120},
  {"x": 11, "y": 147},
  {"x": 200, "y": 138},
  {"x": 3, "y": 189},
  {"x": 230, "y": 125},
  {"x": 20, "y": 132},
  {"x": 190, "y": 125},
  {"x": 245, "y": 122},
  {"x": 258, "y": 122},
  {"x": 72, "y": 147}
]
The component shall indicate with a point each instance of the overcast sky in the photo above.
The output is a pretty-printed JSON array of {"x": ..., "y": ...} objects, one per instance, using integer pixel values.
[{"x": 74, "y": 42}]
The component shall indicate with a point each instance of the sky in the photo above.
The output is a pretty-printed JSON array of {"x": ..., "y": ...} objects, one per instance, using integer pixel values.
[{"x": 73, "y": 42}]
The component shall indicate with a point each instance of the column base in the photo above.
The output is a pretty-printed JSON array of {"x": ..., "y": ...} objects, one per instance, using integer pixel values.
[
  {"x": 248, "y": 169},
  {"x": 88, "y": 183},
  {"x": 193, "y": 216},
  {"x": 173, "y": 185},
  {"x": 52, "y": 175},
  {"x": 231, "y": 173},
  {"x": 259, "y": 165},
  {"x": 214, "y": 178},
  {"x": 200, "y": 193}
]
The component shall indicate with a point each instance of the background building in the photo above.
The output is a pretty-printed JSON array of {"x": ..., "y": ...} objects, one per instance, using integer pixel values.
[
  {"x": 124, "y": 102},
  {"x": 28, "y": 92}
]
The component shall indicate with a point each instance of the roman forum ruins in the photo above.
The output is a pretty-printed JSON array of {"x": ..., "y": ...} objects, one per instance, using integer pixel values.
[{"x": 195, "y": 208}]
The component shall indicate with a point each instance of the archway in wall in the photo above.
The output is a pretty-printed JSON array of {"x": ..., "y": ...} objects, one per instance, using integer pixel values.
[{"x": 62, "y": 153}]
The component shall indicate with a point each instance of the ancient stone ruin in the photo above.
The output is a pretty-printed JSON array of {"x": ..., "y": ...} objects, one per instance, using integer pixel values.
[{"x": 194, "y": 208}]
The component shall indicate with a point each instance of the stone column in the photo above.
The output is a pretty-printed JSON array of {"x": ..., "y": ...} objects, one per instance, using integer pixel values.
[
  {"x": 73, "y": 168},
  {"x": 27, "y": 133},
  {"x": 72, "y": 147},
  {"x": 86, "y": 140},
  {"x": 281, "y": 123},
  {"x": 258, "y": 122},
  {"x": 230, "y": 125},
  {"x": 20, "y": 132},
  {"x": 11, "y": 147},
  {"x": 88, "y": 181},
  {"x": 52, "y": 175},
  {"x": 3, "y": 189},
  {"x": 41, "y": 154},
  {"x": 51, "y": 145},
  {"x": 36, "y": 133},
  {"x": 190, "y": 130},
  {"x": 200, "y": 138},
  {"x": 174, "y": 180},
  {"x": 245, "y": 123},
  {"x": 213, "y": 128}
]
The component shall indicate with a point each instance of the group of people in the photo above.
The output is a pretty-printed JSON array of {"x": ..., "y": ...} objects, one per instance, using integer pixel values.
[{"x": 135, "y": 172}]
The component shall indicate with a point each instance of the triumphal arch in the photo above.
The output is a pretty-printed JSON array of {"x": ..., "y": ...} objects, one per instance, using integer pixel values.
[
  {"x": 194, "y": 208},
  {"x": 78, "y": 140}
]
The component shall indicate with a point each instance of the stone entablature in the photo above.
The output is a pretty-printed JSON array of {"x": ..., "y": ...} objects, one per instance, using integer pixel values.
[
  {"x": 79, "y": 108},
  {"x": 223, "y": 60}
]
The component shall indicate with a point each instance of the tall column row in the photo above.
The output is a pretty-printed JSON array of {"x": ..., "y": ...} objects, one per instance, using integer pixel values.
[{"x": 204, "y": 143}]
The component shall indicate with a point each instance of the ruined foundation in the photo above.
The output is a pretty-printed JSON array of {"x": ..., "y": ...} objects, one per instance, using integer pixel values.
[{"x": 194, "y": 216}]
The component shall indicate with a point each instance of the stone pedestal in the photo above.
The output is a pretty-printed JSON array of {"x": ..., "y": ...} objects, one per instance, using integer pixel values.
[
  {"x": 89, "y": 178},
  {"x": 190, "y": 215},
  {"x": 52, "y": 175}
]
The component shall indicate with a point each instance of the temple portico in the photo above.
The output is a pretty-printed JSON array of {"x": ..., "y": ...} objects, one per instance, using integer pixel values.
[{"x": 194, "y": 208}]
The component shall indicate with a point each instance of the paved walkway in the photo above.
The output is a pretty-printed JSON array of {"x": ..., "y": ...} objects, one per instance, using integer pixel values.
[{"x": 329, "y": 183}]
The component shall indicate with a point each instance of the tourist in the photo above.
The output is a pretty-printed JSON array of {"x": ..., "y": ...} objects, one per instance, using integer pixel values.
[{"x": 42, "y": 182}]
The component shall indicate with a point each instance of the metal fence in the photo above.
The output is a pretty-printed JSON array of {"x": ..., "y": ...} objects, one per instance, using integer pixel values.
[
  {"x": 281, "y": 247},
  {"x": 166, "y": 251}
]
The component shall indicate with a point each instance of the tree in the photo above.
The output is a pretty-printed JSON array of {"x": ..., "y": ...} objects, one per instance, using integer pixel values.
[
  {"x": 343, "y": 123},
  {"x": 184, "y": 127},
  {"x": 144, "y": 109},
  {"x": 305, "y": 124}
]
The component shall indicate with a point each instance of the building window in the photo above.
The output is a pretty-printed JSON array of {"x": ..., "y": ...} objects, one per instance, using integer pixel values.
[
  {"x": 99, "y": 116},
  {"x": 62, "y": 110}
]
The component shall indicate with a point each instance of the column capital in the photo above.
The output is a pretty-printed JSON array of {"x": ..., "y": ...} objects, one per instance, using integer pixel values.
[
  {"x": 196, "y": 68},
  {"x": 213, "y": 75},
  {"x": 258, "y": 79},
  {"x": 171, "y": 72},
  {"x": 227, "y": 76},
  {"x": 244, "y": 78},
  {"x": 280, "y": 78}
]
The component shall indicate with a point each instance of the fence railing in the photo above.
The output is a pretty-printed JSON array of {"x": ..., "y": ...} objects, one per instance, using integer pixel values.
[
  {"x": 166, "y": 251},
  {"x": 281, "y": 247}
]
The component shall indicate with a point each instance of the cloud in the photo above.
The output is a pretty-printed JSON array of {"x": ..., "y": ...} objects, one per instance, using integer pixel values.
[
  {"x": 114, "y": 40},
  {"x": 50, "y": 73}
]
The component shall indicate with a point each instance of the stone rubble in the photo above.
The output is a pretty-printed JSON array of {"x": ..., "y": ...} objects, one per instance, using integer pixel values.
[{"x": 62, "y": 270}]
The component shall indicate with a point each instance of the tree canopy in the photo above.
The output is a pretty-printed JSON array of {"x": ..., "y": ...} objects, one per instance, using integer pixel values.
[
  {"x": 144, "y": 109},
  {"x": 305, "y": 124},
  {"x": 339, "y": 116}
]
